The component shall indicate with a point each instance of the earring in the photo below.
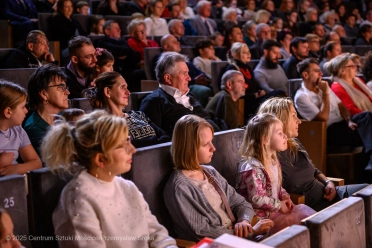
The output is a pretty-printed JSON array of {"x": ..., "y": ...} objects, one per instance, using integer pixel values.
[
  {"x": 108, "y": 97},
  {"x": 109, "y": 173},
  {"x": 96, "y": 173},
  {"x": 46, "y": 102}
]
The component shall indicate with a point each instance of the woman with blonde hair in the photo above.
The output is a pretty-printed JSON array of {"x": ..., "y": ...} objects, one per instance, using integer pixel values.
[
  {"x": 97, "y": 203},
  {"x": 200, "y": 201},
  {"x": 262, "y": 16},
  {"x": 300, "y": 176}
]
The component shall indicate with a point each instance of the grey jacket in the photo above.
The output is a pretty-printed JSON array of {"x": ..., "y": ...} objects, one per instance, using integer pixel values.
[
  {"x": 192, "y": 215},
  {"x": 198, "y": 24}
]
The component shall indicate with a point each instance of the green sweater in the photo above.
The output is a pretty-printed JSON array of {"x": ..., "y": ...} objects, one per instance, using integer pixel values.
[{"x": 36, "y": 128}]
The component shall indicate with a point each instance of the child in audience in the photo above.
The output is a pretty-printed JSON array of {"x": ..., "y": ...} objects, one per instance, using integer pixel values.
[
  {"x": 13, "y": 139},
  {"x": 217, "y": 39},
  {"x": 71, "y": 115},
  {"x": 97, "y": 25},
  {"x": 105, "y": 63},
  {"x": 96, "y": 202},
  {"x": 7, "y": 238},
  {"x": 194, "y": 202},
  {"x": 260, "y": 176},
  {"x": 206, "y": 56},
  {"x": 156, "y": 26}
]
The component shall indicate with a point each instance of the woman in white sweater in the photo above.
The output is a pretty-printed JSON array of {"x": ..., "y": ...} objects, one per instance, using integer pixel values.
[
  {"x": 156, "y": 26},
  {"x": 97, "y": 208}
]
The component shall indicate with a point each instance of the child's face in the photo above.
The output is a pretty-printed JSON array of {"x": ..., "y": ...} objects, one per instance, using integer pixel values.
[
  {"x": 206, "y": 149},
  {"x": 83, "y": 10},
  {"x": 106, "y": 67},
  {"x": 18, "y": 114},
  {"x": 278, "y": 140},
  {"x": 207, "y": 52},
  {"x": 219, "y": 40},
  {"x": 7, "y": 224},
  {"x": 100, "y": 26}
]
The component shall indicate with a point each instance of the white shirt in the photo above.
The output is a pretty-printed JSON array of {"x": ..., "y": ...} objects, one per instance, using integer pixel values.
[
  {"x": 156, "y": 26},
  {"x": 308, "y": 104},
  {"x": 204, "y": 65},
  {"x": 177, "y": 95},
  {"x": 189, "y": 13}
]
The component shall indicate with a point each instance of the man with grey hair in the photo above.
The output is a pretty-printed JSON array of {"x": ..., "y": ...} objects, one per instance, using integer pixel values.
[
  {"x": 263, "y": 33},
  {"x": 201, "y": 22},
  {"x": 172, "y": 100},
  {"x": 249, "y": 33},
  {"x": 177, "y": 28},
  {"x": 225, "y": 103},
  {"x": 33, "y": 53}
]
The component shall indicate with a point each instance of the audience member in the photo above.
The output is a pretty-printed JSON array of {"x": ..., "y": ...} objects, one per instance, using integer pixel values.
[
  {"x": 100, "y": 143},
  {"x": 314, "y": 45},
  {"x": 110, "y": 7},
  {"x": 286, "y": 6},
  {"x": 230, "y": 15},
  {"x": 194, "y": 192},
  {"x": 48, "y": 95},
  {"x": 249, "y": 33},
  {"x": 224, "y": 105},
  {"x": 155, "y": 25},
  {"x": 33, "y": 53},
  {"x": 330, "y": 50},
  {"x": 175, "y": 13},
  {"x": 231, "y": 6},
  {"x": 249, "y": 12},
  {"x": 233, "y": 34},
  {"x": 268, "y": 73},
  {"x": 14, "y": 142},
  {"x": 97, "y": 25},
  {"x": 316, "y": 101},
  {"x": 291, "y": 23},
  {"x": 302, "y": 7},
  {"x": 263, "y": 33},
  {"x": 311, "y": 20},
  {"x": 368, "y": 19},
  {"x": 105, "y": 62},
  {"x": 186, "y": 11},
  {"x": 300, "y": 176},
  {"x": 341, "y": 13},
  {"x": 127, "y": 61},
  {"x": 177, "y": 29},
  {"x": 332, "y": 36},
  {"x": 367, "y": 69},
  {"x": 284, "y": 38},
  {"x": 80, "y": 69},
  {"x": 340, "y": 31},
  {"x": 300, "y": 50},
  {"x": 137, "y": 6},
  {"x": 71, "y": 115},
  {"x": 201, "y": 22},
  {"x": 82, "y": 7},
  {"x": 172, "y": 99},
  {"x": 329, "y": 21},
  {"x": 111, "y": 93},
  {"x": 206, "y": 56},
  {"x": 260, "y": 175},
  {"x": 262, "y": 16},
  {"x": 318, "y": 29},
  {"x": 269, "y": 6},
  {"x": 138, "y": 16},
  {"x": 365, "y": 35},
  {"x": 6, "y": 231},
  {"x": 351, "y": 28},
  {"x": 217, "y": 39},
  {"x": 278, "y": 24},
  {"x": 138, "y": 40}
]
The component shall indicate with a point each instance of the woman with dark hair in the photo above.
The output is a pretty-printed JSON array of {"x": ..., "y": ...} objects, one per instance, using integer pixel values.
[
  {"x": 97, "y": 25},
  {"x": 341, "y": 12},
  {"x": 367, "y": 69},
  {"x": 290, "y": 23},
  {"x": 111, "y": 93},
  {"x": 233, "y": 34},
  {"x": 365, "y": 35},
  {"x": 110, "y": 7}
]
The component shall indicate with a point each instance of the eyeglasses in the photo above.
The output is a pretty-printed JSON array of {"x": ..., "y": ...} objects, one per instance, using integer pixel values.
[
  {"x": 316, "y": 70},
  {"x": 89, "y": 56},
  {"x": 353, "y": 65},
  {"x": 62, "y": 87}
]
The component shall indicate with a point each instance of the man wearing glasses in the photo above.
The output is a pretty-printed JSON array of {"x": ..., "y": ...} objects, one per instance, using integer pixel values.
[
  {"x": 33, "y": 53},
  {"x": 82, "y": 64}
]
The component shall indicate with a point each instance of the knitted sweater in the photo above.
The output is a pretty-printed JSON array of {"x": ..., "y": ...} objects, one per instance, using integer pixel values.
[
  {"x": 106, "y": 214},
  {"x": 271, "y": 79},
  {"x": 193, "y": 216}
]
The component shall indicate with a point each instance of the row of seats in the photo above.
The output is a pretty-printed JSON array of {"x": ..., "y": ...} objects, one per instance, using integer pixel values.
[{"x": 344, "y": 224}]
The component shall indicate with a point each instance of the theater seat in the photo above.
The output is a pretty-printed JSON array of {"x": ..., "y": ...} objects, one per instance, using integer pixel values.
[
  {"x": 218, "y": 69},
  {"x": 366, "y": 195},
  {"x": 4, "y": 54},
  {"x": 150, "y": 54},
  {"x": 293, "y": 236},
  {"x": 18, "y": 76}
]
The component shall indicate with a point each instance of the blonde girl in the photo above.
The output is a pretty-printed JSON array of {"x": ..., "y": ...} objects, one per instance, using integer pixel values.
[
  {"x": 97, "y": 202},
  {"x": 260, "y": 178}
]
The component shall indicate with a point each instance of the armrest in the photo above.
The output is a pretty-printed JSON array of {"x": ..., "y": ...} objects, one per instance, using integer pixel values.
[
  {"x": 337, "y": 181},
  {"x": 185, "y": 243},
  {"x": 297, "y": 199}
]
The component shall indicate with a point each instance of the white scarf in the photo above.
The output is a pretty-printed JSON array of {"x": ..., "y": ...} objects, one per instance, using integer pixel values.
[{"x": 359, "y": 97}]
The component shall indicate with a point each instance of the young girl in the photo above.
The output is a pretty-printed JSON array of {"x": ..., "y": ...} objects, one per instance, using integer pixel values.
[
  {"x": 156, "y": 26},
  {"x": 105, "y": 62},
  {"x": 13, "y": 139},
  {"x": 260, "y": 178},
  {"x": 97, "y": 203},
  {"x": 6, "y": 231}
]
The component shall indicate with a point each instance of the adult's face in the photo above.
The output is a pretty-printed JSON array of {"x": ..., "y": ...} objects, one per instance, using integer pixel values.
[
  {"x": 337, "y": 50},
  {"x": 236, "y": 35},
  {"x": 180, "y": 78},
  {"x": 252, "y": 31},
  {"x": 205, "y": 11},
  {"x": 313, "y": 16},
  {"x": 293, "y": 122},
  {"x": 305, "y": 5},
  {"x": 331, "y": 20},
  {"x": 287, "y": 40},
  {"x": 264, "y": 34},
  {"x": 351, "y": 21},
  {"x": 40, "y": 48},
  {"x": 334, "y": 37},
  {"x": 273, "y": 54},
  {"x": 238, "y": 86},
  {"x": 314, "y": 45},
  {"x": 341, "y": 31},
  {"x": 270, "y": 6},
  {"x": 178, "y": 29},
  {"x": 140, "y": 32},
  {"x": 319, "y": 30},
  {"x": 293, "y": 17},
  {"x": 349, "y": 70},
  {"x": 86, "y": 58},
  {"x": 245, "y": 55},
  {"x": 302, "y": 51},
  {"x": 67, "y": 9},
  {"x": 314, "y": 74},
  {"x": 367, "y": 34},
  {"x": 175, "y": 12},
  {"x": 119, "y": 93},
  {"x": 113, "y": 31},
  {"x": 56, "y": 94},
  {"x": 172, "y": 45}
]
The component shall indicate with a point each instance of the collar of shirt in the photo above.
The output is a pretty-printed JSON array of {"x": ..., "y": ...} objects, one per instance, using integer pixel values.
[
  {"x": 79, "y": 78},
  {"x": 177, "y": 95}
]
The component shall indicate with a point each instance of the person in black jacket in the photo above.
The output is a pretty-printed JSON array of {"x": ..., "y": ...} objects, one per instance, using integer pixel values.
[
  {"x": 137, "y": 6},
  {"x": 31, "y": 54},
  {"x": 299, "y": 48},
  {"x": 127, "y": 61},
  {"x": 172, "y": 99}
]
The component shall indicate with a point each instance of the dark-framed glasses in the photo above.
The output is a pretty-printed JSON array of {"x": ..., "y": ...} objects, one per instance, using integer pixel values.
[{"x": 62, "y": 87}]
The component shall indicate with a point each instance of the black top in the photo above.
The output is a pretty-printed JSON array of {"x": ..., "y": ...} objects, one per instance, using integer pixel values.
[
  {"x": 73, "y": 84},
  {"x": 63, "y": 30},
  {"x": 255, "y": 50},
  {"x": 23, "y": 58},
  {"x": 185, "y": 41},
  {"x": 290, "y": 67},
  {"x": 164, "y": 111},
  {"x": 134, "y": 7},
  {"x": 105, "y": 9}
]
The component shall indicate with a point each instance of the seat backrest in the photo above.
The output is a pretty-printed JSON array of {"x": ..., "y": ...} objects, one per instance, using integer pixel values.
[
  {"x": 150, "y": 54},
  {"x": 190, "y": 52},
  {"x": 362, "y": 50},
  {"x": 221, "y": 53},
  {"x": 44, "y": 191},
  {"x": 123, "y": 22},
  {"x": 366, "y": 195},
  {"x": 4, "y": 54},
  {"x": 6, "y": 32},
  {"x": 347, "y": 49},
  {"x": 342, "y": 225},
  {"x": 135, "y": 100},
  {"x": 218, "y": 69},
  {"x": 149, "y": 85},
  {"x": 13, "y": 198},
  {"x": 293, "y": 86},
  {"x": 44, "y": 23},
  {"x": 226, "y": 157},
  {"x": 82, "y": 103},
  {"x": 293, "y": 236},
  {"x": 194, "y": 39},
  {"x": 85, "y": 21},
  {"x": 94, "y": 6},
  {"x": 18, "y": 76},
  {"x": 253, "y": 63}
]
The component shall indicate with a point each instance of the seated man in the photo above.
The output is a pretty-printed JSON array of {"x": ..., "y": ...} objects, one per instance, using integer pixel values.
[
  {"x": 127, "y": 61},
  {"x": 82, "y": 65},
  {"x": 201, "y": 22},
  {"x": 177, "y": 28},
  {"x": 299, "y": 48},
  {"x": 175, "y": 14},
  {"x": 199, "y": 80},
  {"x": 172, "y": 99},
  {"x": 316, "y": 101},
  {"x": 262, "y": 33},
  {"x": 268, "y": 73},
  {"x": 314, "y": 45},
  {"x": 233, "y": 87},
  {"x": 331, "y": 50},
  {"x": 33, "y": 53}
]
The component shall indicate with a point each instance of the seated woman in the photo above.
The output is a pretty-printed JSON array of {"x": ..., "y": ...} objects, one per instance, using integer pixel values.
[
  {"x": 300, "y": 176},
  {"x": 233, "y": 34},
  {"x": 48, "y": 95},
  {"x": 111, "y": 93},
  {"x": 200, "y": 201},
  {"x": 6, "y": 231},
  {"x": 260, "y": 175},
  {"x": 138, "y": 41},
  {"x": 355, "y": 95},
  {"x": 96, "y": 202},
  {"x": 155, "y": 25},
  {"x": 14, "y": 141},
  {"x": 254, "y": 95}
]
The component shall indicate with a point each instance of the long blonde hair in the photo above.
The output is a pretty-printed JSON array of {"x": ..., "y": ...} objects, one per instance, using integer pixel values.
[{"x": 97, "y": 132}]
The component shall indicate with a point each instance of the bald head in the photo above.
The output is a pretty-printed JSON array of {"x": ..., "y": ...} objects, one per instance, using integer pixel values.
[{"x": 169, "y": 43}]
